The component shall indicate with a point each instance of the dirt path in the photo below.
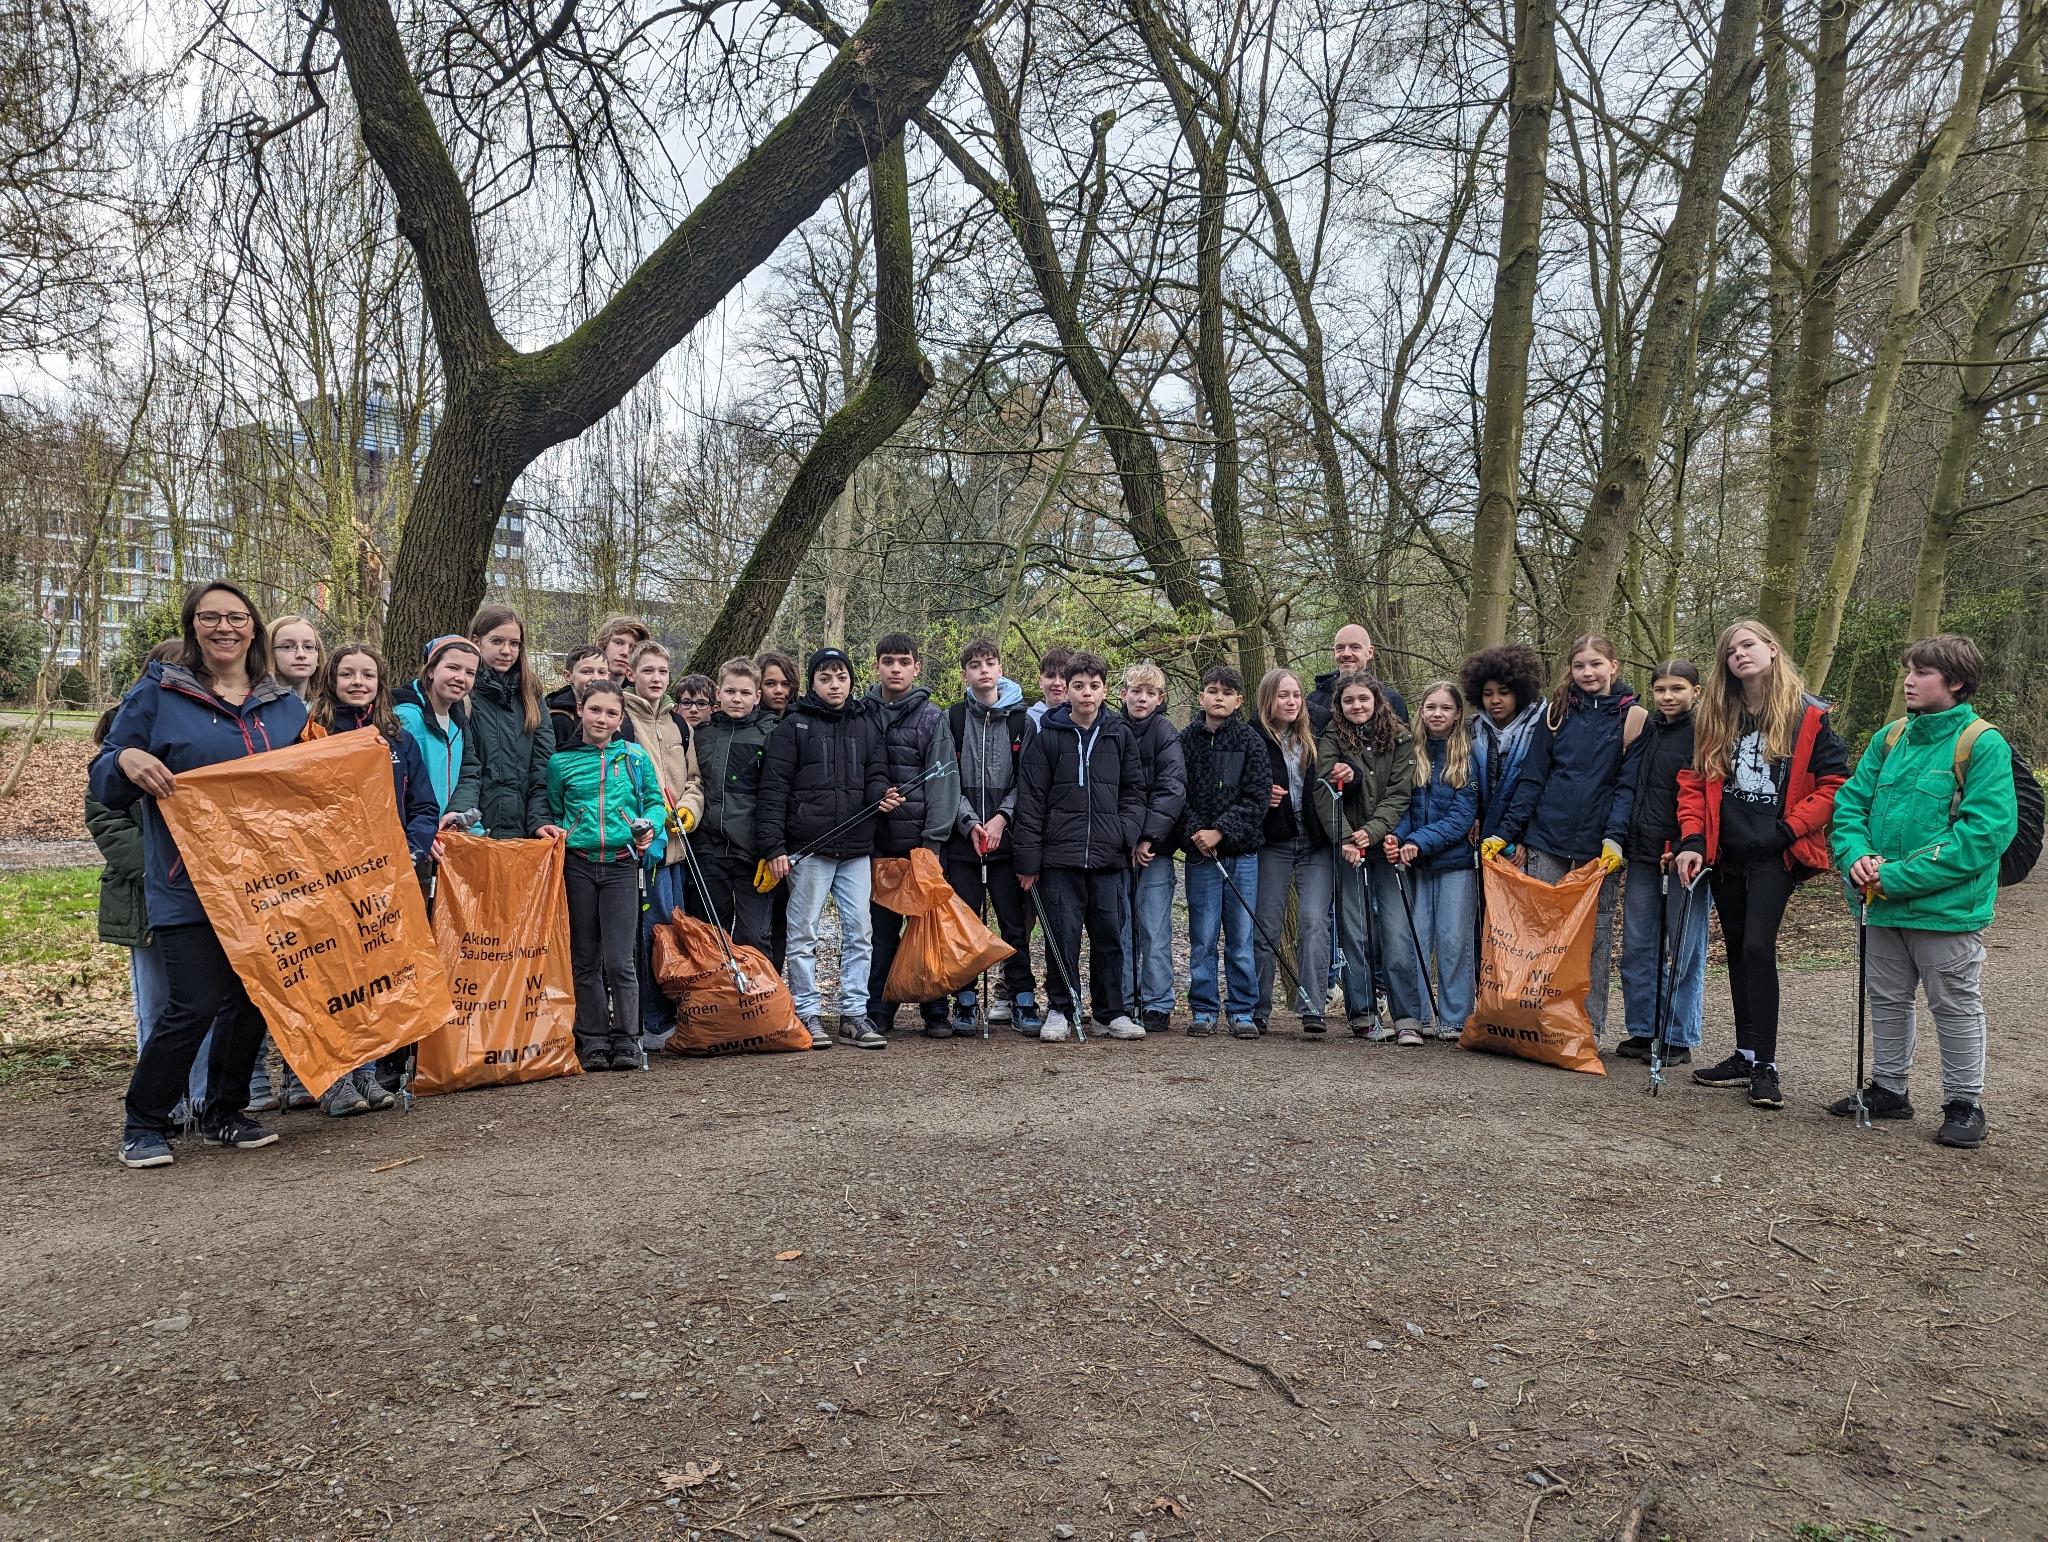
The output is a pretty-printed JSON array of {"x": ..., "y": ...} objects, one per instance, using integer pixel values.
[{"x": 1486, "y": 1291}]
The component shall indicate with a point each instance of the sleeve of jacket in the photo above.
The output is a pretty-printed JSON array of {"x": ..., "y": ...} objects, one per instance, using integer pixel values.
[
  {"x": 1830, "y": 768},
  {"x": 134, "y": 727},
  {"x": 540, "y": 751},
  {"x": 1849, "y": 836},
  {"x": 1531, "y": 777},
  {"x": 421, "y": 815},
  {"x": 1393, "y": 800},
  {"x": 1168, "y": 794},
  {"x": 653, "y": 808},
  {"x": 1008, "y": 807},
  {"x": 692, "y": 797},
  {"x": 557, "y": 792},
  {"x": 1034, "y": 783},
  {"x": 1440, "y": 835},
  {"x": 1986, "y": 820},
  {"x": 118, "y": 837},
  {"x": 1130, "y": 791},
  {"x": 1692, "y": 811},
  {"x": 468, "y": 791},
  {"x": 1243, "y": 824},
  {"x": 875, "y": 758},
  {"x": 942, "y": 793},
  {"x": 1630, "y": 772},
  {"x": 771, "y": 803}
]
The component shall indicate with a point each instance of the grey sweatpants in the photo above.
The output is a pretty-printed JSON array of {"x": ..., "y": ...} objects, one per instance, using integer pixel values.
[{"x": 1948, "y": 966}]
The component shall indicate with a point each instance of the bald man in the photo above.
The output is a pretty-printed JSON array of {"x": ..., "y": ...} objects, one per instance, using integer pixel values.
[{"x": 1350, "y": 649}]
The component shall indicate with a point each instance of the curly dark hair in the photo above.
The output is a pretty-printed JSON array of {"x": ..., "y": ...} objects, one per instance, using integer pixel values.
[
  {"x": 1380, "y": 732},
  {"x": 1517, "y": 666}
]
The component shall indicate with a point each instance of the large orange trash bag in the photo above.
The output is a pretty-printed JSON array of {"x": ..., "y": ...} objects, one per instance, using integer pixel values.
[
  {"x": 299, "y": 858},
  {"x": 713, "y": 1015},
  {"x": 944, "y": 944},
  {"x": 501, "y": 918},
  {"x": 1535, "y": 964}
]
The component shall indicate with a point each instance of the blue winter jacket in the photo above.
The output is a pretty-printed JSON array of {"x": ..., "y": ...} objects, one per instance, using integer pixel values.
[
  {"x": 1496, "y": 784},
  {"x": 452, "y": 762},
  {"x": 1570, "y": 794},
  {"x": 1439, "y": 818},
  {"x": 171, "y": 714}
]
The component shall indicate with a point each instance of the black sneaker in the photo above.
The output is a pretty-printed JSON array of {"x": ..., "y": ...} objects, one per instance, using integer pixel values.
[
  {"x": 1244, "y": 1028},
  {"x": 1156, "y": 1022},
  {"x": 1732, "y": 1072},
  {"x": 1677, "y": 1054},
  {"x": 627, "y": 1055},
  {"x": 942, "y": 1028},
  {"x": 1313, "y": 1027},
  {"x": 1635, "y": 1047},
  {"x": 146, "y": 1148},
  {"x": 1201, "y": 1027},
  {"x": 594, "y": 1057},
  {"x": 1763, "y": 1088},
  {"x": 1882, "y": 1103},
  {"x": 238, "y": 1130},
  {"x": 1962, "y": 1124}
]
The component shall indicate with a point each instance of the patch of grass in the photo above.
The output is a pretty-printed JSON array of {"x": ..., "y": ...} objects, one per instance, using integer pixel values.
[{"x": 50, "y": 915}]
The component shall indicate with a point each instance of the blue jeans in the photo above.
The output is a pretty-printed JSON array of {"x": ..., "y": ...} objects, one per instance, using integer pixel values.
[
  {"x": 1214, "y": 909},
  {"x": 849, "y": 882},
  {"x": 1303, "y": 866},
  {"x": 1148, "y": 949},
  {"x": 1446, "y": 905},
  {"x": 152, "y": 990},
  {"x": 1639, "y": 956},
  {"x": 665, "y": 892}
]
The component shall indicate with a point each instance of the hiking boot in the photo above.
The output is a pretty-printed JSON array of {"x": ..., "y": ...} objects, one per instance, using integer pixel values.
[
  {"x": 627, "y": 1055},
  {"x": 1123, "y": 1026},
  {"x": 1260, "y": 1024},
  {"x": 1635, "y": 1047},
  {"x": 942, "y": 1027},
  {"x": 1763, "y": 1088},
  {"x": 1244, "y": 1028},
  {"x": 1732, "y": 1072},
  {"x": 1962, "y": 1124},
  {"x": 293, "y": 1091},
  {"x": 1314, "y": 1027},
  {"x": 885, "y": 1023},
  {"x": 236, "y": 1129},
  {"x": 1023, "y": 1015},
  {"x": 344, "y": 1099},
  {"x": 820, "y": 1039},
  {"x": 145, "y": 1148},
  {"x": 861, "y": 1034},
  {"x": 966, "y": 1019},
  {"x": 1201, "y": 1027},
  {"x": 1055, "y": 1027},
  {"x": 594, "y": 1056},
  {"x": 1678, "y": 1054},
  {"x": 374, "y": 1092},
  {"x": 1880, "y": 1102},
  {"x": 1156, "y": 1022}
]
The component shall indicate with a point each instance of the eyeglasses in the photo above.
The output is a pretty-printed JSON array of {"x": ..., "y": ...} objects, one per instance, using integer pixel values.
[
  {"x": 234, "y": 618},
  {"x": 693, "y": 701}
]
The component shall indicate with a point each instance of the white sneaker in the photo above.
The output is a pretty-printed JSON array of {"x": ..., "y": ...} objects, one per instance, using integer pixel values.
[
  {"x": 999, "y": 1010},
  {"x": 1122, "y": 1026},
  {"x": 1055, "y": 1028}
]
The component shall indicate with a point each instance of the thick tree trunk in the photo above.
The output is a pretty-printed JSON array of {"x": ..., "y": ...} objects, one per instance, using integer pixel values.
[
  {"x": 1903, "y": 321},
  {"x": 895, "y": 386},
  {"x": 1618, "y": 494},
  {"x": 1532, "y": 89}
]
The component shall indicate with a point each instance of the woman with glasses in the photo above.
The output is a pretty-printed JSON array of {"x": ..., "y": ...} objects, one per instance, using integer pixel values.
[{"x": 218, "y": 701}]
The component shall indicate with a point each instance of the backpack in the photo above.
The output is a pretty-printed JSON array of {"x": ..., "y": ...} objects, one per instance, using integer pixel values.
[
  {"x": 1019, "y": 719},
  {"x": 2025, "y": 850}
]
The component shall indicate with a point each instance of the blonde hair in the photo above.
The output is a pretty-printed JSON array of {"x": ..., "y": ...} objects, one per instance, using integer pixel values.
[
  {"x": 1299, "y": 731},
  {"x": 1718, "y": 720},
  {"x": 1145, "y": 672},
  {"x": 1457, "y": 743},
  {"x": 647, "y": 650},
  {"x": 304, "y": 688}
]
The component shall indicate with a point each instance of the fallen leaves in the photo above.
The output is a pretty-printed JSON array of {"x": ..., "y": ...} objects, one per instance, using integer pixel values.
[
  {"x": 49, "y": 805},
  {"x": 693, "y": 1475},
  {"x": 789, "y": 1254}
]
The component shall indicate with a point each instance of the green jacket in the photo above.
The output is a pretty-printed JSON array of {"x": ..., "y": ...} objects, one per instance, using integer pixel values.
[
  {"x": 118, "y": 834},
  {"x": 1940, "y": 874},
  {"x": 596, "y": 795},
  {"x": 1374, "y": 799}
]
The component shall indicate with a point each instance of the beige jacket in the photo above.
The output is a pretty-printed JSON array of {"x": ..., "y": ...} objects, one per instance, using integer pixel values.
[{"x": 675, "y": 756}]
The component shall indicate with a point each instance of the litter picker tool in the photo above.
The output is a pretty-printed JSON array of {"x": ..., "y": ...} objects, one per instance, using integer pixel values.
[
  {"x": 1862, "y": 1000},
  {"x": 1264, "y": 936},
  {"x": 1658, "y": 998},
  {"x": 1059, "y": 958},
  {"x": 739, "y": 975},
  {"x": 1414, "y": 936},
  {"x": 765, "y": 884},
  {"x": 981, "y": 992},
  {"x": 1337, "y": 866},
  {"x": 1667, "y": 969}
]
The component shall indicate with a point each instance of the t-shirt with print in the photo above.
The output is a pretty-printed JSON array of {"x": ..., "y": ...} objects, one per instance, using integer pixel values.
[{"x": 1751, "y": 799}]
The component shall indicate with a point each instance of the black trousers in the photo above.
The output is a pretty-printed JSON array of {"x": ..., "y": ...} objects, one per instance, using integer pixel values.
[
  {"x": 1750, "y": 897},
  {"x": 1077, "y": 899},
  {"x": 604, "y": 936},
  {"x": 728, "y": 888},
  {"x": 1010, "y": 903},
  {"x": 202, "y": 991}
]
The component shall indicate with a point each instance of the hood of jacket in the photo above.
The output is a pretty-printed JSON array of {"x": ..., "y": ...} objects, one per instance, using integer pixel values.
[
  {"x": 1009, "y": 696},
  {"x": 888, "y": 711}
]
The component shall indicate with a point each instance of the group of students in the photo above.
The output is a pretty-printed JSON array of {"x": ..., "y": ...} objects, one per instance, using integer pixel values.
[{"x": 775, "y": 792}]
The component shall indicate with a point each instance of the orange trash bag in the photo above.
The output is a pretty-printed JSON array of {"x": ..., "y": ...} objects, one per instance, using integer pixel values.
[
  {"x": 501, "y": 918},
  {"x": 944, "y": 944},
  {"x": 713, "y": 1015},
  {"x": 1535, "y": 965},
  {"x": 299, "y": 858}
]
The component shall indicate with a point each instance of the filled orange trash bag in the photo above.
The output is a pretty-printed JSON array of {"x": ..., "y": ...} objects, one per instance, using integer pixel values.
[
  {"x": 944, "y": 944},
  {"x": 713, "y": 1015},
  {"x": 502, "y": 921},
  {"x": 1535, "y": 964}
]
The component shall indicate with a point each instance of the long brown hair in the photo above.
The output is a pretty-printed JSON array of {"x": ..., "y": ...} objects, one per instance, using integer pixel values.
[
  {"x": 1380, "y": 732},
  {"x": 193, "y": 657},
  {"x": 1722, "y": 717},
  {"x": 1299, "y": 730},
  {"x": 1457, "y": 743},
  {"x": 1561, "y": 695},
  {"x": 486, "y": 621},
  {"x": 327, "y": 707}
]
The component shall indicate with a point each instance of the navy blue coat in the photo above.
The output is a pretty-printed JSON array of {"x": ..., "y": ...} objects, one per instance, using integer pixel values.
[
  {"x": 1439, "y": 818},
  {"x": 1571, "y": 792},
  {"x": 177, "y": 719}
]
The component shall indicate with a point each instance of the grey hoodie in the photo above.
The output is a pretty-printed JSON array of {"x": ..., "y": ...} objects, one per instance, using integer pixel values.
[{"x": 988, "y": 783}]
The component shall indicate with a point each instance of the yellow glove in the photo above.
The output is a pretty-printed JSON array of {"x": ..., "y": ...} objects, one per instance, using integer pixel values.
[
  {"x": 1610, "y": 857},
  {"x": 686, "y": 819},
  {"x": 1491, "y": 847},
  {"x": 764, "y": 877}
]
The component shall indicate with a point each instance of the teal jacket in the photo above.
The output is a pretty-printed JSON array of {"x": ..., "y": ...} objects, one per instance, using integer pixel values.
[
  {"x": 595, "y": 795},
  {"x": 451, "y": 757},
  {"x": 1940, "y": 874}
]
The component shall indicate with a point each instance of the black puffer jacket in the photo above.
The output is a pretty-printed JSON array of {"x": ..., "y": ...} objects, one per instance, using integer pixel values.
[
  {"x": 513, "y": 762},
  {"x": 1663, "y": 750},
  {"x": 1079, "y": 804},
  {"x": 569, "y": 728},
  {"x": 823, "y": 766},
  {"x": 915, "y": 737},
  {"x": 1163, "y": 776},
  {"x": 730, "y": 755},
  {"x": 1227, "y": 785}
]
